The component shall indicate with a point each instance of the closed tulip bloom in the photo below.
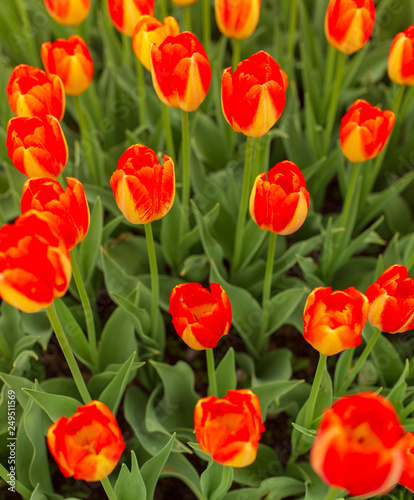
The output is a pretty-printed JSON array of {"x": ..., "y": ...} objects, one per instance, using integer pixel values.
[
  {"x": 279, "y": 200},
  {"x": 32, "y": 92},
  {"x": 125, "y": 14},
  {"x": 87, "y": 445},
  {"x": 364, "y": 131},
  {"x": 144, "y": 189},
  {"x": 253, "y": 97},
  {"x": 237, "y": 18},
  {"x": 349, "y": 24},
  {"x": 37, "y": 147},
  {"x": 180, "y": 71},
  {"x": 333, "y": 321},
  {"x": 200, "y": 317},
  {"x": 407, "y": 477},
  {"x": 149, "y": 30},
  {"x": 391, "y": 300},
  {"x": 34, "y": 262},
  {"x": 401, "y": 58},
  {"x": 359, "y": 445},
  {"x": 69, "y": 208},
  {"x": 71, "y": 60},
  {"x": 229, "y": 428},
  {"x": 68, "y": 12}
]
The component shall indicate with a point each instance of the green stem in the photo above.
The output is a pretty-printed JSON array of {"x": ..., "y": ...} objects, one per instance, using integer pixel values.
[
  {"x": 19, "y": 487},
  {"x": 351, "y": 199},
  {"x": 243, "y": 204},
  {"x": 162, "y": 9},
  {"x": 168, "y": 131},
  {"x": 333, "y": 104},
  {"x": 67, "y": 352},
  {"x": 267, "y": 285},
  {"x": 126, "y": 50},
  {"x": 186, "y": 168},
  {"x": 90, "y": 325},
  {"x": 329, "y": 69},
  {"x": 257, "y": 159},
  {"x": 333, "y": 494},
  {"x": 142, "y": 110},
  {"x": 212, "y": 381},
  {"x": 236, "y": 54},
  {"x": 206, "y": 25},
  {"x": 187, "y": 18},
  {"x": 28, "y": 34},
  {"x": 154, "y": 279},
  {"x": 107, "y": 486},
  {"x": 310, "y": 409},
  {"x": 87, "y": 146},
  {"x": 292, "y": 28}
]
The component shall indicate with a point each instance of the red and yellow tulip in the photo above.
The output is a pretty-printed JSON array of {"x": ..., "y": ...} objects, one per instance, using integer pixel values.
[
  {"x": 237, "y": 18},
  {"x": 401, "y": 58},
  {"x": 125, "y": 14},
  {"x": 68, "y": 12}
]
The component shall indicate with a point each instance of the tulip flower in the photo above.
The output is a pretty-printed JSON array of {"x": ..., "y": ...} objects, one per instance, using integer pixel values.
[
  {"x": 359, "y": 445},
  {"x": 87, "y": 445},
  {"x": 333, "y": 321},
  {"x": 364, "y": 131},
  {"x": 71, "y": 60},
  {"x": 279, "y": 200},
  {"x": 200, "y": 317},
  {"x": 407, "y": 477},
  {"x": 401, "y": 58},
  {"x": 69, "y": 208},
  {"x": 349, "y": 24},
  {"x": 68, "y": 12},
  {"x": 125, "y": 14},
  {"x": 237, "y": 18},
  {"x": 32, "y": 92},
  {"x": 253, "y": 97},
  {"x": 149, "y": 30},
  {"x": 180, "y": 71},
  {"x": 391, "y": 300},
  {"x": 34, "y": 262},
  {"x": 229, "y": 428},
  {"x": 37, "y": 147}
]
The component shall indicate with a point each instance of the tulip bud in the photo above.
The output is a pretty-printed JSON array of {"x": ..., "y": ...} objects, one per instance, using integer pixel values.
[
  {"x": 237, "y": 18},
  {"x": 125, "y": 14},
  {"x": 68, "y": 12},
  {"x": 401, "y": 58}
]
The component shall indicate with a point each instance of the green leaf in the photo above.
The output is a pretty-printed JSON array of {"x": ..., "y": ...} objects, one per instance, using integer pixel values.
[
  {"x": 130, "y": 485},
  {"x": 282, "y": 306},
  {"x": 205, "y": 133},
  {"x": 89, "y": 247},
  {"x": 116, "y": 279},
  {"x": 275, "y": 366},
  {"x": 267, "y": 393},
  {"x": 267, "y": 464},
  {"x": 170, "y": 227},
  {"x": 16, "y": 384},
  {"x": 278, "y": 488},
  {"x": 226, "y": 374},
  {"x": 37, "y": 494},
  {"x": 397, "y": 393},
  {"x": 342, "y": 368},
  {"x": 179, "y": 466},
  {"x": 54, "y": 405},
  {"x": 216, "y": 480},
  {"x": 10, "y": 330},
  {"x": 151, "y": 470},
  {"x": 37, "y": 324}
]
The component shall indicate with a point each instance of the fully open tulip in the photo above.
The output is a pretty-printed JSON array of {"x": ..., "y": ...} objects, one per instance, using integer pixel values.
[
  {"x": 364, "y": 131},
  {"x": 32, "y": 92},
  {"x": 359, "y": 445},
  {"x": 34, "y": 262},
  {"x": 125, "y": 14},
  {"x": 279, "y": 201},
  {"x": 401, "y": 58},
  {"x": 333, "y": 321},
  {"x": 71, "y": 60},
  {"x": 37, "y": 147},
  {"x": 237, "y": 18},
  {"x": 407, "y": 477},
  {"x": 144, "y": 190},
  {"x": 180, "y": 71},
  {"x": 349, "y": 24},
  {"x": 200, "y": 317},
  {"x": 87, "y": 445},
  {"x": 391, "y": 300},
  {"x": 149, "y": 30},
  {"x": 229, "y": 428},
  {"x": 253, "y": 97},
  {"x": 68, "y": 12},
  {"x": 69, "y": 208}
]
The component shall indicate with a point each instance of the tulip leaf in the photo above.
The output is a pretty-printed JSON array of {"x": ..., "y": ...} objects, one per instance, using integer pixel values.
[
  {"x": 54, "y": 405},
  {"x": 37, "y": 494},
  {"x": 170, "y": 227},
  {"x": 205, "y": 133},
  {"x": 16, "y": 384},
  {"x": 25, "y": 343},
  {"x": 267, "y": 393},
  {"x": 179, "y": 466},
  {"x": 10, "y": 330},
  {"x": 266, "y": 464},
  {"x": 397, "y": 393},
  {"x": 216, "y": 480},
  {"x": 253, "y": 239},
  {"x": 342, "y": 367},
  {"x": 106, "y": 196},
  {"x": 282, "y": 306},
  {"x": 130, "y": 485},
  {"x": 226, "y": 374},
  {"x": 37, "y": 324},
  {"x": 89, "y": 247}
]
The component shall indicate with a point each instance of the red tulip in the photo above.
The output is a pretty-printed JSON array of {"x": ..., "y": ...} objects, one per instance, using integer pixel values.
[
  {"x": 401, "y": 58},
  {"x": 237, "y": 18},
  {"x": 407, "y": 477},
  {"x": 68, "y": 12},
  {"x": 125, "y": 14}
]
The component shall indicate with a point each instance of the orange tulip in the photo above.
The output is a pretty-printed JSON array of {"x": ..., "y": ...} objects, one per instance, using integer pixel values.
[
  {"x": 401, "y": 58},
  {"x": 37, "y": 147},
  {"x": 359, "y": 445},
  {"x": 237, "y": 18},
  {"x": 349, "y": 24},
  {"x": 229, "y": 428},
  {"x": 253, "y": 97},
  {"x": 32, "y": 92},
  {"x": 87, "y": 445},
  {"x": 71, "y": 60},
  {"x": 279, "y": 201},
  {"x": 333, "y": 321},
  {"x": 69, "y": 208},
  {"x": 68, "y": 12},
  {"x": 391, "y": 300},
  {"x": 180, "y": 71},
  {"x": 34, "y": 262},
  {"x": 364, "y": 131},
  {"x": 407, "y": 477},
  {"x": 144, "y": 190},
  {"x": 125, "y": 14},
  {"x": 149, "y": 30}
]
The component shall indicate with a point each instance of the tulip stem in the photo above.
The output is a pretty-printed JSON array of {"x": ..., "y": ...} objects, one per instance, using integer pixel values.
[
  {"x": 154, "y": 278},
  {"x": 292, "y": 29},
  {"x": 238, "y": 239},
  {"x": 186, "y": 169},
  {"x": 361, "y": 360},
  {"x": 107, "y": 486},
  {"x": 168, "y": 131},
  {"x": 206, "y": 25},
  {"x": 329, "y": 69},
  {"x": 267, "y": 285},
  {"x": 28, "y": 34},
  {"x": 142, "y": 104},
  {"x": 212, "y": 381},
  {"x": 187, "y": 17},
  {"x": 19, "y": 487},
  {"x": 90, "y": 325},
  {"x": 351, "y": 199},
  {"x": 236, "y": 55},
  {"x": 333, "y": 494},
  {"x": 310, "y": 408},
  {"x": 163, "y": 9},
  {"x": 67, "y": 352}
]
